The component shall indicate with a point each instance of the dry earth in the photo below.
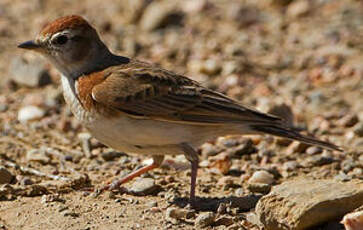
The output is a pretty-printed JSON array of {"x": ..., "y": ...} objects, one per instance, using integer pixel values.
[{"x": 300, "y": 59}]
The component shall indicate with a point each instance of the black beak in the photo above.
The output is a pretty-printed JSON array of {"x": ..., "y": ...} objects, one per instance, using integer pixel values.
[{"x": 31, "y": 45}]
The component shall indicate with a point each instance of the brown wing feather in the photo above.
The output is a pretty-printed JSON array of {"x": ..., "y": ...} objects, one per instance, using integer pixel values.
[{"x": 158, "y": 94}]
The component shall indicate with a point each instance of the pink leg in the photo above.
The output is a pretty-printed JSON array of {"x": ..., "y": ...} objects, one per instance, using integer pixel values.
[
  {"x": 157, "y": 160},
  {"x": 192, "y": 156}
]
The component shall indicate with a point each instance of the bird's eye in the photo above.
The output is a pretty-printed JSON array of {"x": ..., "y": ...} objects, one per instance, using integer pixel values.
[{"x": 61, "y": 40}]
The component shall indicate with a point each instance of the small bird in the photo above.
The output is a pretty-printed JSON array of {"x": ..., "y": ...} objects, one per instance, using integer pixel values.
[{"x": 136, "y": 107}]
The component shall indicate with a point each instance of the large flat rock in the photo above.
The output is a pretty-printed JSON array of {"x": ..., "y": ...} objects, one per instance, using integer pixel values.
[{"x": 302, "y": 203}]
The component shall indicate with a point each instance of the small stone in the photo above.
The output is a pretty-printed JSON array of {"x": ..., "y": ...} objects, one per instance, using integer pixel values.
[
  {"x": 313, "y": 150},
  {"x": 298, "y": 8},
  {"x": 211, "y": 67},
  {"x": 37, "y": 155},
  {"x": 358, "y": 129},
  {"x": 222, "y": 208},
  {"x": 208, "y": 150},
  {"x": 175, "y": 213},
  {"x": 144, "y": 186},
  {"x": 290, "y": 166},
  {"x": 205, "y": 219},
  {"x": 259, "y": 188},
  {"x": 30, "y": 112},
  {"x": 160, "y": 14},
  {"x": 245, "y": 147},
  {"x": 318, "y": 160},
  {"x": 152, "y": 204},
  {"x": 239, "y": 192},
  {"x": 31, "y": 73},
  {"x": 348, "y": 120},
  {"x": 5, "y": 176},
  {"x": 51, "y": 198},
  {"x": 26, "y": 181},
  {"x": 262, "y": 177},
  {"x": 296, "y": 147},
  {"x": 111, "y": 155}
]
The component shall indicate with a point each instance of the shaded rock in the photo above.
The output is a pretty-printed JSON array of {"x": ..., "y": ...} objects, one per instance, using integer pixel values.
[
  {"x": 30, "y": 112},
  {"x": 5, "y": 176},
  {"x": 205, "y": 219},
  {"x": 31, "y": 73},
  {"x": 302, "y": 204},
  {"x": 160, "y": 14},
  {"x": 144, "y": 186},
  {"x": 111, "y": 155},
  {"x": 259, "y": 188}
]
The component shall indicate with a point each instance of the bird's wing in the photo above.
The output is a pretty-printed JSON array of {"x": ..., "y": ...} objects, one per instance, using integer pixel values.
[{"x": 154, "y": 93}]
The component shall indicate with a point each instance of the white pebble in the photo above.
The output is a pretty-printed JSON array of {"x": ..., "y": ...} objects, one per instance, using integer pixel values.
[
  {"x": 30, "y": 113},
  {"x": 262, "y": 177}
]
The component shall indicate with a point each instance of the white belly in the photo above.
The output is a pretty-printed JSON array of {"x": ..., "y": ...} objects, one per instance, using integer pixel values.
[{"x": 147, "y": 136}]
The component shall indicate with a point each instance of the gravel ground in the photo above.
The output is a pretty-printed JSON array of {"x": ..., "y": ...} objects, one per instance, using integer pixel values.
[{"x": 299, "y": 59}]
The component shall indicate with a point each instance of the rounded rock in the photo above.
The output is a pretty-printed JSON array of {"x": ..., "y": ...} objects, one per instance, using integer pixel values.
[{"x": 262, "y": 177}]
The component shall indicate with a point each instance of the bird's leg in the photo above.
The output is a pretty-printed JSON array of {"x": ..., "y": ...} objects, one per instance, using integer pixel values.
[
  {"x": 192, "y": 156},
  {"x": 157, "y": 160}
]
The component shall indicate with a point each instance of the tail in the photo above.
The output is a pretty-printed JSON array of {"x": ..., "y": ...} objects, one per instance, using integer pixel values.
[{"x": 281, "y": 131}]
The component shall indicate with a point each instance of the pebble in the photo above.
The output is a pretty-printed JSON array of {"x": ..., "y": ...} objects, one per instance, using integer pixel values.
[
  {"x": 290, "y": 166},
  {"x": 111, "y": 155},
  {"x": 160, "y": 14},
  {"x": 208, "y": 150},
  {"x": 26, "y": 181},
  {"x": 318, "y": 160},
  {"x": 37, "y": 155},
  {"x": 348, "y": 120},
  {"x": 30, "y": 112},
  {"x": 358, "y": 129},
  {"x": 262, "y": 177},
  {"x": 296, "y": 147},
  {"x": 152, "y": 204},
  {"x": 5, "y": 176},
  {"x": 259, "y": 188},
  {"x": 313, "y": 150},
  {"x": 298, "y": 8},
  {"x": 175, "y": 214},
  {"x": 211, "y": 67},
  {"x": 31, "y": 73},
  {"x": 144, "y": 186},
  {"x": 205, "y": 219}
]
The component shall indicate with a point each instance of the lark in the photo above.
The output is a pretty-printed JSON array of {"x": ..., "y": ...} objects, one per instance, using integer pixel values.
[{"x": 138, "y": 108}]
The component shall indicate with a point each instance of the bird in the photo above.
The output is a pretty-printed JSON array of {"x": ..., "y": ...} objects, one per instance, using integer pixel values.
[{"x": 139, "y": 108}]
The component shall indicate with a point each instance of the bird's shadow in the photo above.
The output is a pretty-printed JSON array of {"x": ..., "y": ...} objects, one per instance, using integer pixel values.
[{"x": 243, "y": 203}]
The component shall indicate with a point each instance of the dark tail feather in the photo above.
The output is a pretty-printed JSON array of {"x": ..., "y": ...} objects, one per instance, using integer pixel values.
[{"x": 290, "y": 133}]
